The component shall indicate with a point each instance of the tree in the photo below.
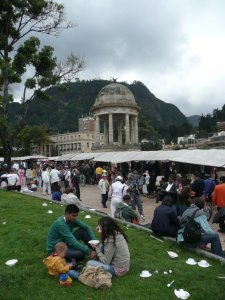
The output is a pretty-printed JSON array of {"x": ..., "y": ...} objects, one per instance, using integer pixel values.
[
  {"x": 37, "y": 135},
  {"x": 19, "y": 19},
  {"x": 147, "y": 132}
]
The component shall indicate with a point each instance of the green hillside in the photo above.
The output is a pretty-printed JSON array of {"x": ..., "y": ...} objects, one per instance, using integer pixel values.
[{"x": 63, "y": 111}]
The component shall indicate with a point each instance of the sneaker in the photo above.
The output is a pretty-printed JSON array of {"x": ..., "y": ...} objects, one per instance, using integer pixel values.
[{"x": 143, "y": 217}]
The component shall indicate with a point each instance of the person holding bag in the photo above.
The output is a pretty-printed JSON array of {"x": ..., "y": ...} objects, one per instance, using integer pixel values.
[{"x": 113, "y": 254}]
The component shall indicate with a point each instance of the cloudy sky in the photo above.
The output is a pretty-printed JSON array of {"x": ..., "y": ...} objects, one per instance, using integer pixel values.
[{"x": 175, "y": 47}]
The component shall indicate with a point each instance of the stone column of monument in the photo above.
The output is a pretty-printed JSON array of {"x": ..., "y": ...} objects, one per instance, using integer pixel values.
[
  {"x": 97, "y": 130},
  {"x": 127, "y": 131},
  {"x": 120, "y": 135},
  {"x": 110, "y": 128},
  {"x": 136, "y": 129},
  {"x": 106, "y": 137},
  {"x": 132, "y": 130}
]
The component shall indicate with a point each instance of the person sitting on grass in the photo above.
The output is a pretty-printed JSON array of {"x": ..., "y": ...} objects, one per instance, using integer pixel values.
[
  {"x": 56, "y": 194},
  {"x": 165, "y": 221},
  {"x": 207, "y": 235},
  {"x": 62, "y": 230},
  {"x": 113, "y": 254},
  {"x": 125, "y": 212},
  {"x": 69, "y": 197},
  {"x": 56, "y": 262}
]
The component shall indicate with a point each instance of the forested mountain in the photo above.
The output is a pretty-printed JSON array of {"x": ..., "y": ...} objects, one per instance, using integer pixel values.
[
  {"x": 207, "y": 123},
  {"x": 62, "y": 112},
  {"x": 194, "y": 120}
]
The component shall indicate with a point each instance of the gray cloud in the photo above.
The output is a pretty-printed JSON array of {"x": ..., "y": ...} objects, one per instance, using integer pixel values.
[{"x": 161, "y": 43}]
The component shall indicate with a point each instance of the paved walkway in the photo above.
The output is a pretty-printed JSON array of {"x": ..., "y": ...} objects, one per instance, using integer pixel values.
[{"x": 90, "y": 197}]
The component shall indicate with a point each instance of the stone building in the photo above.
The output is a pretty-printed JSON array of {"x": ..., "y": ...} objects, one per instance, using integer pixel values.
[
  {"x": 116, "y": 113},
  {"x": 113, "y": 127},
  {"x": 71, "y": 142}
]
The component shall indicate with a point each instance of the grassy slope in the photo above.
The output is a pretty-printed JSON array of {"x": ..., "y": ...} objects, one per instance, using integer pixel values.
[{"x": 24, "y": 235}]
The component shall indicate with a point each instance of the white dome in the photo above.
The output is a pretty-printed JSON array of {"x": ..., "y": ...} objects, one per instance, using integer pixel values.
[{"x": 115, "y": 93}]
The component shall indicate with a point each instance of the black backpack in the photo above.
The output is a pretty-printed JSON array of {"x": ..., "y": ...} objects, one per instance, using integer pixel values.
[{"x": 192, "y": 230}]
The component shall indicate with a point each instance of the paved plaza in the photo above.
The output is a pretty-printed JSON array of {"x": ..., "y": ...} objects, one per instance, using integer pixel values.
[{"x": 90, "y": 197}]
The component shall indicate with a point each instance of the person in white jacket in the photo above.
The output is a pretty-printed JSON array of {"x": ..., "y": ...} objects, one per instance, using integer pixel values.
[
  {"x": 69, "y": 197},
  {"x": 46, "y": 181},
  {"x": 116, "y": 192},
  {"x": 104, "y": 189}
]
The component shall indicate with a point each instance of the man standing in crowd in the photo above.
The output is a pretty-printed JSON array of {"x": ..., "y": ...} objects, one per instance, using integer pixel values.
[
  {"x": 54, "y": 178},
  {"x": 98, "y": 173},
  {"x": 198, "y": 184},
  {"x": 46, "y": 181},
  {"x": 67, "y": 175},
  {"x": 219, "y": 200},
  {"x": 116, "y": 192},
  {"x": 62, "y": 230},
  {"x": 135, "y": 184}
]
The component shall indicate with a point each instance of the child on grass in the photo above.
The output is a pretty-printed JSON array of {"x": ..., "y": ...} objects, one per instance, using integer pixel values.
[{"x": 56, "y": 263}]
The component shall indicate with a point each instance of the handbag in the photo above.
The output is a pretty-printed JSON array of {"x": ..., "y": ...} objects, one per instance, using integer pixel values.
[{"x": 95, "y": 277}]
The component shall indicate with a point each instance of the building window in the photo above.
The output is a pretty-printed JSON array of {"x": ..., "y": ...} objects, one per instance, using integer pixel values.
[
  {"x": 87, "y": 145},
  {"x": 78, "y": 146},
  {"x": 93, "y": 136}
]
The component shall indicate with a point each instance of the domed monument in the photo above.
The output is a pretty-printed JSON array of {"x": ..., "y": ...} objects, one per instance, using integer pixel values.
[{"x": 116, "y": 114}]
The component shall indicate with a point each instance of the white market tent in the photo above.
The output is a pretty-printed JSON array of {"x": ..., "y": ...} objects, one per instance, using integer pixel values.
[
  {"x": 23, "y": 158},
  {"x": 208, "y": 157},
  {"x": 211, "y": 157}
]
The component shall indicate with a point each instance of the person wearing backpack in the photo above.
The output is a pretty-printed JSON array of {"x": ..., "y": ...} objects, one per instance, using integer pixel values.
[{"x": 200, "y": 235}]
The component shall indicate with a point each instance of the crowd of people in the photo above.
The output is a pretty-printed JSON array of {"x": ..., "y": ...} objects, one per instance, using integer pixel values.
[
  {"x": 180, "y": 200},
  {"x": 183, "y": 200}
]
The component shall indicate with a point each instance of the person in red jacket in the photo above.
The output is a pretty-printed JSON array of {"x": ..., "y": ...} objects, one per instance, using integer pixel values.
[{"x": 219, "y": 200}]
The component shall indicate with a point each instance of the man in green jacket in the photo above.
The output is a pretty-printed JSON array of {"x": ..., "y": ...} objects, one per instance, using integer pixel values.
[
  {"x": 62, "y": 231},
  {"x": 125, "y": 212}
]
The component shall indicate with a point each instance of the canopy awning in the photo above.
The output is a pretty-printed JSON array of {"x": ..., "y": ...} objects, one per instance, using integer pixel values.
[{"x": 208, "y": 157}]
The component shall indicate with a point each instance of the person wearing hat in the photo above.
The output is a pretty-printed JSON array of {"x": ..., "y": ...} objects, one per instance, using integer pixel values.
[
  {"x": 116, "y": 192},
  {"x": 134, "y": 185},
  {"x": 104, "y": 189}
]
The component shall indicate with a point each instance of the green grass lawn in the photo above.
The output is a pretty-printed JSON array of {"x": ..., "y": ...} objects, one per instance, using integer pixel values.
[{"x": 24, "y": 236}]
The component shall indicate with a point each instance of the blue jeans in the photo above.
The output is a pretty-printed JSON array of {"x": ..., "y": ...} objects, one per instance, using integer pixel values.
[
  {"x": 214, "y": 239},
  {"x": 73, "y": 274},
  {"x": 136, "y": 201},
  {"x": 108, "y": 268},
  {"x": 81, "y": 235}
]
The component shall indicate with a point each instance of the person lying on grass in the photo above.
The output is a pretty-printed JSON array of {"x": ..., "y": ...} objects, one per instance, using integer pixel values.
[
  {"x": 113, "y": 254},
  {"x": 56, "y": 262},
  {"x": 62, "y": 231}
]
